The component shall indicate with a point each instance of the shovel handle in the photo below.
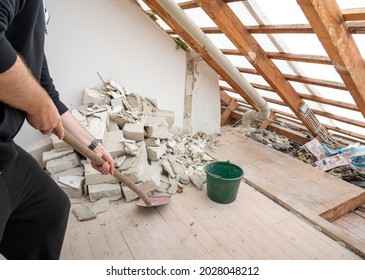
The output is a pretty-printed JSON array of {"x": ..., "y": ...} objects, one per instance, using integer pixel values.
[{"x": 86, "y": 152}]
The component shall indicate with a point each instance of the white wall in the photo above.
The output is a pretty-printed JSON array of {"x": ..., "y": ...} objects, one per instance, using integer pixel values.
[{"x": 116, "y": 39}]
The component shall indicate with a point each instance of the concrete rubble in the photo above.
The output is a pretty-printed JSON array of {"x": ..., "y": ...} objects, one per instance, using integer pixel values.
[{"x": 139, "y": 137}]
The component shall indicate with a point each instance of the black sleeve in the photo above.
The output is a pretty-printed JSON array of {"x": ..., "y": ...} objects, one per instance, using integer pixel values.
[
  {"x": 47, "y": 83},
  {"x": 8, "y": 9}
]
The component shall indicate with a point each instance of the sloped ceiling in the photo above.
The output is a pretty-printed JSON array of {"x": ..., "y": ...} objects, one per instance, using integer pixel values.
[{"x": 327, "y": 76}]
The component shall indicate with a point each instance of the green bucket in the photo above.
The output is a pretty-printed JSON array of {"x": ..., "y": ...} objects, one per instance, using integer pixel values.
[{"x": 223, "y": 181}]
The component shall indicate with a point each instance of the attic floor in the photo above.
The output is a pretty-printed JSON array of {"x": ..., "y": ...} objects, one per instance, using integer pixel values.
[{"x": 257, "y": 225}]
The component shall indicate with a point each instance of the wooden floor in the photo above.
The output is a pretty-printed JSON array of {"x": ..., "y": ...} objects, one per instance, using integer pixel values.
[{"x": 193, "y": 227}]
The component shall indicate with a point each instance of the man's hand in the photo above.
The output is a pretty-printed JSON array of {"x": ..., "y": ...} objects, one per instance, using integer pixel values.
[
  {"x": 108, "y": 166},
  {"x": 46, "y": 118}
]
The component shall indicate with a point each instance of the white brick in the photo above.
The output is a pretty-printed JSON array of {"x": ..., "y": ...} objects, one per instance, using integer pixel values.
[
  {"x": 112, "y": 143},
  {"x": 158, "y": 132},
  {"x": 72, "y": 185},
  {"x": 93, "y": 96},
  {"x": 62, "y": 164},
  {"x": 155, "y": 153},
  {"x": 135, "y": 172},
  {"x": 97, "y": 128},
  {"x": 167, "y": 114},
  {"x": 53, "y": 154},
  {"x": 133, "y": 131},
  {"x": 111, "y": 191}
]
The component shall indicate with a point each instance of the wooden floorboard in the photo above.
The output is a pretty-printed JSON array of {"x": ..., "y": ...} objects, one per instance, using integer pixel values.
[
  {"x": 193, "y": 227},
  {"x": 254, "y": 226},
  {"x": 353, "y": 223}
]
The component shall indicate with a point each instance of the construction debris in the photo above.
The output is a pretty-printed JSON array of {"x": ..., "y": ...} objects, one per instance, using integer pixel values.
[
  {"x": 140, "y": 138},
  {"x": 344, "y": 162}
]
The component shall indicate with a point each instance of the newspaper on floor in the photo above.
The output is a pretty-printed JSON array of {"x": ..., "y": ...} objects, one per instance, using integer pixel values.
[
  {"x": 334, "y": 161},
  {"x": 315, "y": 147}
]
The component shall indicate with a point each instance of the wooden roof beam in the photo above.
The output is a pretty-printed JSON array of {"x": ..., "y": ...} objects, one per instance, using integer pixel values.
[
  {"x": 233, "y": 28},
  {"x": 318, "y": 99},
  {"x": 317, "y": 59},
  {"x": 192, "y": 4},
  {"x": 328, "y": 22},
  {"x": 231, "y": 106},
  {"x": 161, "y": 12},
  {"x": 354, "y": 14},
  {"x": 354, "y": 28},
  {"x": 300, "y": 79}
]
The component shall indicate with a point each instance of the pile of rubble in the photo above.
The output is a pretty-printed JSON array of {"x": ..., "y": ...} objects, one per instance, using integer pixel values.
[
  {"x": 139, "y": 137},
  {"x": 313, "y": 153}
]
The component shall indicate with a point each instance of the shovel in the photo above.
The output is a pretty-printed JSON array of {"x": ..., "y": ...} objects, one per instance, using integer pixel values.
[{"x": 144, "y": 200}]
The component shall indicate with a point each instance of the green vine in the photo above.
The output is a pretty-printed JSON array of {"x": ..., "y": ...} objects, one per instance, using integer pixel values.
[{"x": 180, "y": 44}]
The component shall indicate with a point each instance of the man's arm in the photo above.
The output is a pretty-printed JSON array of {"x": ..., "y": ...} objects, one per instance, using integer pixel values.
[
  {"x": 19, "y": 89},
  {"x": 79, "y": 132}
]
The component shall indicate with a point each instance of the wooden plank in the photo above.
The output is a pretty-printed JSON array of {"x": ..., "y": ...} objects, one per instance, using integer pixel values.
[
  {"x": 316, "y": 190},
  {"x": 353, "y": 224},
  {"x": 117, "y": 244},
  {"x": 98, "y": 243},
  {"x": 314, "y": 98},
  {"x": 317, "y": 59},
  {"x": 191, "y": 4},
  {"x": 339, "y": 118},
  {"x": 171, "y": 246},
  {"x": 300, "y": 79},
  {"x": 354, "y": 14},
  {"x": 354, "y": 28},
  {"x": 305, "y": 191},
  {"x": 132, "y": 230},
  {"x": 267, "y": 122},
  {"x": 66, "y": 253},
  {"x": 79, "y": 242},
  {"x": 344, "y": 208},
  {"x": 220, "y": 228},
  {"x": 177, "y": 220},
  {"x": 197, "y": 229},
  {"x": 232, "y": 105},
  {"x": 327, "y": 21},
  {"x": 300, "y": 234}
]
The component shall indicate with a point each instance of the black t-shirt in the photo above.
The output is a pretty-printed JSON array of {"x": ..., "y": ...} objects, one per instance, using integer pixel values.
[{"x": 22, "y": 31}]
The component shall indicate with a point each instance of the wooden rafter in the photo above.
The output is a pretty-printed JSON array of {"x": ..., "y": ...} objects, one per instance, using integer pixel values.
[
  {"x": 154, "y": 5},
  {"x": 318, "y": 59},
  {"x": 328, "y": 22},
  {"x": 233, "y": 28},
  {"x": 301, "y": 79},
  {"x": 317, "y": 112},
  {"x": 354, "y": 14},
  {"x": 192, "y": 4},
  {"x": 231, "y": 106},
  {"x": 318, "y": 99},
  {"x": 354, "y": 28}
]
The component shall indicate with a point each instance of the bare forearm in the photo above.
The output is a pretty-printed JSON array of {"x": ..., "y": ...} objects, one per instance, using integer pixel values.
[
  {"x": 75, "y": 128},
  {"x": 19, "y": 89}
]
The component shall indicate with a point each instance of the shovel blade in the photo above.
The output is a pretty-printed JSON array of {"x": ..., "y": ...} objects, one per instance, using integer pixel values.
[{"x": 156, "y": 201}]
